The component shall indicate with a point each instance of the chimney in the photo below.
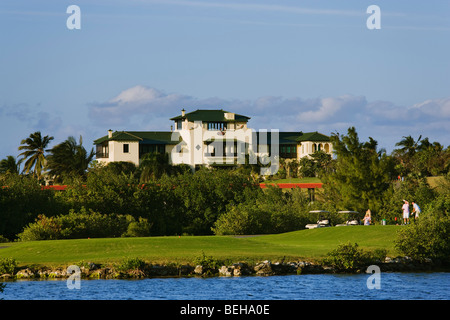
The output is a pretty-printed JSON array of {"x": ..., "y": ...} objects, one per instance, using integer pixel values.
[
  {"x": 110, "y": 132},
  {"x": 183, "y": 112}
]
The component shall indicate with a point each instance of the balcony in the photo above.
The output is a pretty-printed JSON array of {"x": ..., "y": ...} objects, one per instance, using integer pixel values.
[{"x": 100, "y": 155}]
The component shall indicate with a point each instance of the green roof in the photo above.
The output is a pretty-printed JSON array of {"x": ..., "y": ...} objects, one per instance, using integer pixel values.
[
  {"x": 143, "y": 137},
  {"x": 211, "y": 116},
  {"x": 313, "y": 136},
  {"x": 295, "y": 137}
]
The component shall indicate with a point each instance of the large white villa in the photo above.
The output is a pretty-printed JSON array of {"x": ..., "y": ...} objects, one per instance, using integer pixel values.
[{"x": 210, "y": 137}]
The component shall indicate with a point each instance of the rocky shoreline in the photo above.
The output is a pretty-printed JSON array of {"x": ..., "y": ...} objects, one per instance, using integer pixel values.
[{"x": 91, "y": 270}]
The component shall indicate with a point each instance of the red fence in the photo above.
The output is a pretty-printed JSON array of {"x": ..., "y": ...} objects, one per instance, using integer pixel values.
[
  {"x": 262, "y": 185},
  {"x": 293, "y": 185}
]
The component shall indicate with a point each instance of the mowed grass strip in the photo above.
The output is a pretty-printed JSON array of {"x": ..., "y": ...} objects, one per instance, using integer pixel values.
[{"x": 303, "y": 244}]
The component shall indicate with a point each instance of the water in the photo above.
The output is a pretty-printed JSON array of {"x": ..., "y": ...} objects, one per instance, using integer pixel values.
[{"x": 393, "y": 286}]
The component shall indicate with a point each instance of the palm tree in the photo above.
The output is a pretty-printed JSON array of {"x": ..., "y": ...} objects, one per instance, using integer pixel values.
[
  {"x": 34, "y": 147},
  {"x": 9, "y": 164},
  {"x": 409, "y": 146},
  {"x": 69, "y": 158}
]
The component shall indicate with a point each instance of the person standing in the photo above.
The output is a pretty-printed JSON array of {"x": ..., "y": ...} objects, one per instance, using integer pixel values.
[
  {"x": 416, "y": 210},
  {"x": 405, "y": 209},
  {"x": 367, "y": 218}
]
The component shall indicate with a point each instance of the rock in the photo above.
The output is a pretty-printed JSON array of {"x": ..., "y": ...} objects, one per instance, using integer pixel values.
[
  {"x": 158, "y": 270},
  {"x": 241, "y": 269},
  {"x": 43, "y": 273},
  {"x": 264, "y": 268},
  {"x": 185, "y": 270},
  {"x": 25, "y": 273},
  {"x": 226, "y": 271},
  {"x": 284, "y": 268},
  {"x": 56, "y": 274},
  {"x": 198, "y": 270}
]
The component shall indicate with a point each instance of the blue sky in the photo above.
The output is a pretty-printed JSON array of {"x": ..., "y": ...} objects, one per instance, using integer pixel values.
[{"x": 289, "y": 65}]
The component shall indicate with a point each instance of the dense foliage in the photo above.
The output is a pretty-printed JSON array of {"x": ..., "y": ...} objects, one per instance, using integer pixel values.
[
  {"x": 84, "y": 224},
  {"x": 428, "y": 238},
  {"x": 349, "y": 257},
  {"x": 120, "y": 199},
  {"x": 270, "y": 211}
]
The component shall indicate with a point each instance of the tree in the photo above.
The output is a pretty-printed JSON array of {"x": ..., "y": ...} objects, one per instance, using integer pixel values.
[
  {"x": 307, "y": 167},
  {"x": 406, "y": 153},
  {"x": 154, "y": 165},
  {"x": 69, "y": 159},
  {"x": 34, "y": 147},
  {"x": 428, "y": 238},
  {"x": 431, "y": 159},
  {"x": 361, "y": 176},
  {"x": 409, "y": 145},
  {"x": 319, "y": 164},
  {"x": 323, "y": 162},
  {"x": 10, "y": 165}
]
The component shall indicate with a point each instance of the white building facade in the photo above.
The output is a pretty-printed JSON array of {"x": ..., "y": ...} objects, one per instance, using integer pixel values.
[{"x": 211, "y": 138}]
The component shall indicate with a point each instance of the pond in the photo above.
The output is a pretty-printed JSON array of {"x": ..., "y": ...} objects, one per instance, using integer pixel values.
[{"x": 389, "y": 286}]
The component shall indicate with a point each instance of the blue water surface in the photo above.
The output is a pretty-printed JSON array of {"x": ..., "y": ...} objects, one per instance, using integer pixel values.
[{"x": 392, "y": 286}]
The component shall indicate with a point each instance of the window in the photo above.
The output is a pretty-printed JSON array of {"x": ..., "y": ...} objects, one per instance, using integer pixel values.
[
  {"x": 102, "y": 151},
  {"x": 288, "y": 151},
  {"x": 153, "y": 148},
  {"x": 216, "y": 125},
  {"x": 126, "y": 148}
]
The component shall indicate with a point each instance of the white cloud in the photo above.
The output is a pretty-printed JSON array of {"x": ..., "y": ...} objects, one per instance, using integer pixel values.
[
  {"x": 333, "y": 109},
  {"x": 138, "y": 101},
  {"x": 145, "y": 108},
  {"x": 259, "y": 7},
  {"x": 434, "y": 108}
]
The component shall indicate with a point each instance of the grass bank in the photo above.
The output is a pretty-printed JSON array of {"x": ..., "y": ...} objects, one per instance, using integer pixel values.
[{"x": 304, "y": 244}]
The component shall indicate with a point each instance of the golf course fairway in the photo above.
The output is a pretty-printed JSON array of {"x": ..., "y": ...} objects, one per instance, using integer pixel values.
[{"x": 303, "y": 244}]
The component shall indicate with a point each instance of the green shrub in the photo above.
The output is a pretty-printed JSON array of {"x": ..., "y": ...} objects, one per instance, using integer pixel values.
[
  {"x": 429, "y": 237},
  {"x": 209, "y": 263},
  {"x": 8, "y": 265},
  {"x": 140, "y": 228},
  {"x": 268, "y": 211},
  {"x": 128, "y": 264},
  {"x": 21, "y": 201},
  {"x": 348, "y": 257},
  {"x": 84, "y": 224}
]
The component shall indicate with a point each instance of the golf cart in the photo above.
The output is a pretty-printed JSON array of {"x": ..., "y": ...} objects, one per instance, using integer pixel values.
[
  {"x": 324, "y": 220},
  {"x": 353, "y": 218}
]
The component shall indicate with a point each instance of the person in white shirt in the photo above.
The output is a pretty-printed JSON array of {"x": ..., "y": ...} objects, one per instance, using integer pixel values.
[
  {"x": 405, "y": 209},
  {"x": 416, "y": 210},
  {"x": 367, "y": 218}
]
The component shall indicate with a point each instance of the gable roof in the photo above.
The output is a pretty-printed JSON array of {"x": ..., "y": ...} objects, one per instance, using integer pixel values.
[
  {"x": 313, "y": 136},
  {"x": 210, "y": 115},
  {"x": 143, "y": 137}
]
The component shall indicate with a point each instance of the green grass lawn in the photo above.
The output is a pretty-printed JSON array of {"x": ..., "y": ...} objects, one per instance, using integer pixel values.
[{"x": 303, "y": 244}]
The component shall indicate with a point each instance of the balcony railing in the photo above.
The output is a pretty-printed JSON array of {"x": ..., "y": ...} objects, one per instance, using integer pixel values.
[{"x": 102, "y": 155}]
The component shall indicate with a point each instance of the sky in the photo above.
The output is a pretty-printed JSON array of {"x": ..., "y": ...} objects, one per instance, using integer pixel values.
[{"x": 289, "y": 65}]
